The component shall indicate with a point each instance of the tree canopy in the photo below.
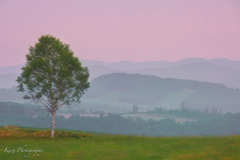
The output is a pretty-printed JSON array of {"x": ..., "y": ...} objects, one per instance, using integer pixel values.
[{"x": 52, "y": 75}]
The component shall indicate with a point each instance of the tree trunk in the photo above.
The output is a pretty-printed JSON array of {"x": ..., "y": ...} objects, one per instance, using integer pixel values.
[{"x": 53, "y": 123}]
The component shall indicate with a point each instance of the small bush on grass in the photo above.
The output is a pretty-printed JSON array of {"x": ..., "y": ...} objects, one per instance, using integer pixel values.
[
  {"x": 11, "y": 127},
  {"x": 15, "y": 132}
]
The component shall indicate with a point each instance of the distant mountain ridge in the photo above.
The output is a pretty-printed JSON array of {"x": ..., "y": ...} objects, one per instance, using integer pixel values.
[
  {"x": 8, "y": 80},
  {"x": 167, "y": 92},
  {"x": 200, "y": 71},
  {"x": 215, "y": 70},
  {"x": 119, "y": 91},
  {"x": 129, "y": 66},
  {"x": 11, "y": 69}
]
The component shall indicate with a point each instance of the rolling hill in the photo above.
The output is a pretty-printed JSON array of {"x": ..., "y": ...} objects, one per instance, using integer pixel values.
[
  {"x": 216, "y": 70},
  {"x": 158, "y": 92},
  {"x": 8, "y": 80},
  {"x": 117, "y": 92},
  {"x": 200, "y": 71}
]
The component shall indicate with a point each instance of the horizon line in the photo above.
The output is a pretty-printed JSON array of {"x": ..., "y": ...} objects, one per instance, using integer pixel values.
[{"x": 141, "y": 61}]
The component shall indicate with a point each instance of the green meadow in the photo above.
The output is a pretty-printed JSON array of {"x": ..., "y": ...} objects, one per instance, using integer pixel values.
[{"x": 108, "y": 146}]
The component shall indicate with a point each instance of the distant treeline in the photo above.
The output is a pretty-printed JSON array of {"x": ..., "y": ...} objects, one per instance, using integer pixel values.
[
  {"x": 207, "y": 123},
  {"x": 17, "y": 109}
]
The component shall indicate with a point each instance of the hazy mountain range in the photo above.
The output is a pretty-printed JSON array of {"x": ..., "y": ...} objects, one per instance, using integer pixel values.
[
  {"x": 215, "y": 70},
  {"x": 165, "y": 92},
  {"x": 117, "y": 92}
]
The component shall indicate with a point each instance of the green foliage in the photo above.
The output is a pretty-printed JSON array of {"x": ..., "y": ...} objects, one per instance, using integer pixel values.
[{"x": 52, "y": 75}]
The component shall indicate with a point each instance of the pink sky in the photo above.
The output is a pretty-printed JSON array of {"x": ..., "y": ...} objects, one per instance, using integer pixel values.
[{"x": 116, "y": 30}]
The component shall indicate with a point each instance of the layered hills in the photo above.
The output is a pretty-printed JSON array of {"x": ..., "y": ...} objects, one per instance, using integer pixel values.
[
  {"x": 222, "y": 71},
  {"x": 117, "y": 92},
  {"x": 163, "y": 92}
]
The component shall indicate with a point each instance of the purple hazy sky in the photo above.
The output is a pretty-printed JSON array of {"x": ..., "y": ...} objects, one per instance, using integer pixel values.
[{"x": 116, "y": 30}]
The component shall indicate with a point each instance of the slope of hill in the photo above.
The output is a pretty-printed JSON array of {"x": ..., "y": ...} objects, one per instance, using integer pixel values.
[
  {"x": 216, "y": 70},
  {"x": 232, "y": 82},
  {"x": 200, "y": 71},
  {"x": 220, "y": 62},
  {"x": 130, "y": 66},
  {"x": 226, "y": 63},
  {"x": 155, "y": 91},
  {"x": 117, "y": 92},
  {"x": 8, "y": 80},
  {"x": 11, "y": 69},
  {"x": 10, "y": 94},
  {"x": 98, "y": 70}
]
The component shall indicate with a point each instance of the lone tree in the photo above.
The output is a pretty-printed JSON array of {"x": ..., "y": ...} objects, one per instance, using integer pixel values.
[{"x": 52, "y": 76}]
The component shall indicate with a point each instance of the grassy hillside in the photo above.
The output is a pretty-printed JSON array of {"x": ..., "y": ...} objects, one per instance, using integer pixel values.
[{"x": 122, "y": 147}]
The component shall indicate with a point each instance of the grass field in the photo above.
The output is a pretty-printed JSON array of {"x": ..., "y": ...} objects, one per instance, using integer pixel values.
[{"x": 105, "y": 146}]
